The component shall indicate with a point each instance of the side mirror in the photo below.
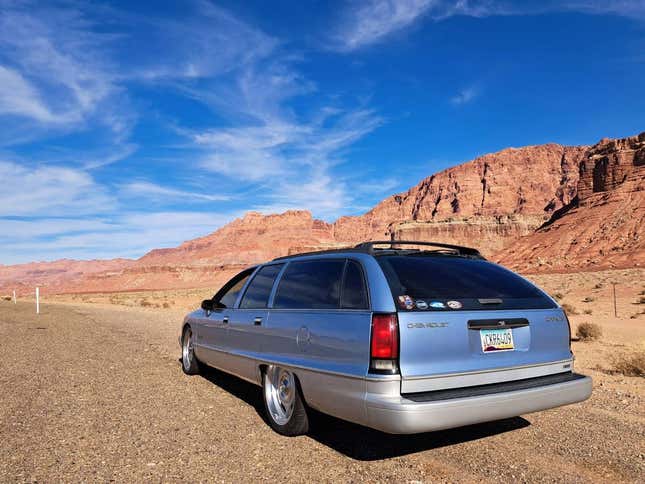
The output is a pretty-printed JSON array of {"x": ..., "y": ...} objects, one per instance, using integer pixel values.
[{"x": 207, "y": 305}]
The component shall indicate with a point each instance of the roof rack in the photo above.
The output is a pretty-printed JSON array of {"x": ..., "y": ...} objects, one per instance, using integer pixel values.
[
  {"x": 458, "y": 249},
  {"x": 368, "y": 248}
]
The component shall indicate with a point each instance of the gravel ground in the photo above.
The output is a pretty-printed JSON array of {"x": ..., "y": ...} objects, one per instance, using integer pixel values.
[{"x": 97, "y": 394}]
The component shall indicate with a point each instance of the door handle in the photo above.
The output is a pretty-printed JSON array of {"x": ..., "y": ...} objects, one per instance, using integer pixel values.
[
  {"x": 257, "y": 321},
  {"x": 225, "y": 320}
]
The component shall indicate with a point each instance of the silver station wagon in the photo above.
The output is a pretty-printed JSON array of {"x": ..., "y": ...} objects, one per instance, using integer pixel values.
[{"x": 403, "y": 337}]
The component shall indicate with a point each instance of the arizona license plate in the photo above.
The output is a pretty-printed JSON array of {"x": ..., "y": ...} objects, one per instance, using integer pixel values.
[{"x": 496, "y": 340}]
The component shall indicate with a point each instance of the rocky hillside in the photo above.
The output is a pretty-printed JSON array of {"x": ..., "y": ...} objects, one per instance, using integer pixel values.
[
  {"x": 603, "y": 226},
  {"x": 547, "y": 207}
]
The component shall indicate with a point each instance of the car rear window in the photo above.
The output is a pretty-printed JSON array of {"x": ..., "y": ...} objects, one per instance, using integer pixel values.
[
  {"x": 313, "y": 284},
  {"x": 446, "y": 282},
  {"x": 259, "y": 290}
]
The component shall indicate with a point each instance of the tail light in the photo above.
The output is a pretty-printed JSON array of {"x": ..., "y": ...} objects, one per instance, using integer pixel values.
[{"x": 384, "y": 353}]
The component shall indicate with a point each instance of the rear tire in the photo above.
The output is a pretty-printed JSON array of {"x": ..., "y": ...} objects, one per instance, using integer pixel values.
[
  {"x": 283, "y": 403},
  {"x": 189, "y": 362}
]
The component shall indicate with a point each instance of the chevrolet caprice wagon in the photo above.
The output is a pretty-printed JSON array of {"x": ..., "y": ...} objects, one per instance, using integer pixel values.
[{"x": 389, "y": 336}]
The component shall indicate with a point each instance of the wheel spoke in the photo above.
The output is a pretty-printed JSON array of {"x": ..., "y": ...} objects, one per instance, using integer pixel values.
[{"x": 280, "y": 394}]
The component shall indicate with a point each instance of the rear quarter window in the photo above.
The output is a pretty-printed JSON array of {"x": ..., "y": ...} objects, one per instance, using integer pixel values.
[
  {"x": 473, "y": 283},
  {"x": 313, "y": 284}
]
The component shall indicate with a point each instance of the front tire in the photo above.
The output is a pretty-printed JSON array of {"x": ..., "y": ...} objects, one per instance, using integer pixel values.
[
  {"x": 189, "y": 362},
  {"x": 283, "y": 402}
]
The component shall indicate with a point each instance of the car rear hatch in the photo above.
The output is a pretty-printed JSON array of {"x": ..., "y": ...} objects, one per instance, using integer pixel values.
[{"x": 467, "y": 322}]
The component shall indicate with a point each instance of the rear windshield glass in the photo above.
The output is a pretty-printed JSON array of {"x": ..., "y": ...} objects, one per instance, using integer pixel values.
[{"x": 446, "y": 283}]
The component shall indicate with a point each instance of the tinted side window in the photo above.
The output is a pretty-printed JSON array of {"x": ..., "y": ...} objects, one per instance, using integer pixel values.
[
  {"x": 311, "y": 284},
  {"x": 259, "y": 290},
  {"x": 354, "y": 295},
  {"x": 228, "y": 294}
]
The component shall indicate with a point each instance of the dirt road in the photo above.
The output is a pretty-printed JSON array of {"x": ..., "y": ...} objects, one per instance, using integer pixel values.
[{"x": 97, "y": 394}]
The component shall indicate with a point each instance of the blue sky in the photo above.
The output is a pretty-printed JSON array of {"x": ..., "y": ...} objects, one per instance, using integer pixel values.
[{"x": 128, "y": 127}]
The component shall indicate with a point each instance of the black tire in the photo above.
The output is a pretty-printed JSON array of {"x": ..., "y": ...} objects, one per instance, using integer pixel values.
[
  {"x": 292, "y": 421},
  {"x": 189, "y": 362}
]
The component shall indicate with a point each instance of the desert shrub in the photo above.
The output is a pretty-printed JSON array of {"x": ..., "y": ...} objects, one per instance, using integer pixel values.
[
  {"x": 145, "y": 303},
  {"x": 6, "y": 298},
  {"x": 589, "y": 299},
  {"x": 559, "y": 296},
  {"x": 598, "y": 286},
  {"x": 589, "y": 331},
  {"x": 641, "y": 300},
  {"x": 587, "y": 311},
  {"x": 166, "y": 305},
  {"x": 630, "y": 365},
  {"x": 569, "y": 309}
]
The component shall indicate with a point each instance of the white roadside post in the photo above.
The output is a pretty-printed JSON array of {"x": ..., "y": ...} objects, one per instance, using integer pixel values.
[
  {"x": 14, "y": 296},
  {"x": 37, "y": 301}
]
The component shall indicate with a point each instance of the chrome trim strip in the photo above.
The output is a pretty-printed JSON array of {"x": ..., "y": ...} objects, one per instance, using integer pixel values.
[
  {"x": 490, "y": 370},
  {"x": 302, "y": 367}
]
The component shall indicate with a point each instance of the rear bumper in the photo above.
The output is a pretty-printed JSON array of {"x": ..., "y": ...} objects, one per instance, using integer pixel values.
[{"x": 401, "y": 415}]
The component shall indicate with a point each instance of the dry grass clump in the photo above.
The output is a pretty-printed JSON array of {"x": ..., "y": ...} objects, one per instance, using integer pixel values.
[
  {"x": 630, "y": 365},
  {"x": 569, "y": 309},
  {"x": 587, "y": 311},
  {"x": 589, "y": 331},
  {"x": 589, "y": 299},
  {"x": 6, "y": 298},
  {"x": 641, "y": 300},
  {"x": 145, "y": 303},
  {"x": 166, "y": 305},
  {"x": 559, "y": 296}
]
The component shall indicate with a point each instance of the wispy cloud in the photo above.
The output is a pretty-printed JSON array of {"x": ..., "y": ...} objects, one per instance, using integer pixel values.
[
  {"x": 130, "y": 234},
  {"x": 50, "y": 191},
  {"x": 464, "y": 96},
  {"x": 152, "y": 191},
  {"x": 369, "y": 22},
  {"x": 56, "y": 53}
]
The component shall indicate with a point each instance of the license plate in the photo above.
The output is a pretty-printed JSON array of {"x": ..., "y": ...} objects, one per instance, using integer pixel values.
[{"x": 494, "y": 340}]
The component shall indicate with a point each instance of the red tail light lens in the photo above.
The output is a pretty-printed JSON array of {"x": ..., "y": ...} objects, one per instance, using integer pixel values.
[{"x": 385, "y": 336}]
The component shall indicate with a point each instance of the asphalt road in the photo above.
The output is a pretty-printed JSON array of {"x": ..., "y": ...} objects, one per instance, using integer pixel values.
[{"x": 97, "y": 394}]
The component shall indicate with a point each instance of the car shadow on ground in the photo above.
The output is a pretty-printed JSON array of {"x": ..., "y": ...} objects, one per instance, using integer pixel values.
[{"x": 362, "y": 443}]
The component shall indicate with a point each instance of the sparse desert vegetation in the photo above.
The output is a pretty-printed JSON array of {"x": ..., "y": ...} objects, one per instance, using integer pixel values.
[
  {"x": 569, "y": 309},
  {"x": 630, "y": 364},
  {"x": 588, "y": 331}
]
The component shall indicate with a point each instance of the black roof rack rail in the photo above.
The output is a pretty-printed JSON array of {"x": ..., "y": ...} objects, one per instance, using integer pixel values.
[
  {"x": 368, "y": 248},
  {"x": 459, "y": 249},
  {"x": 319, "y": 252}
]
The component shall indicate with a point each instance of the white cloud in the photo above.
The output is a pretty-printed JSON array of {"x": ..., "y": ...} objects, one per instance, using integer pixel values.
[
  {"x": 51, "y": 191},
  {"x": 19, "y": 97},
  {"x": 464, "y": 96},
  {"x": 370, "y": 21},
  {"x": 55, "y": 49},
  {"x": 127, "y": 235},
  {"x": 147, "y": 190}
]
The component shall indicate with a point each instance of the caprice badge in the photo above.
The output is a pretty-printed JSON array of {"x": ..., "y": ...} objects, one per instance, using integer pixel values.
[
  {"x": 427, "y": 325},
  {"x": 554, "y": 319}
]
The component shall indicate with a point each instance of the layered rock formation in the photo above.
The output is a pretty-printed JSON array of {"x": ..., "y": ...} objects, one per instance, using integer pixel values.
[
  {"x": 547, "y": 207},
  {"x": 56, "y": 275},
  {"x": 524, "y": 185},
  {"x": 604, "y": 226}
]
